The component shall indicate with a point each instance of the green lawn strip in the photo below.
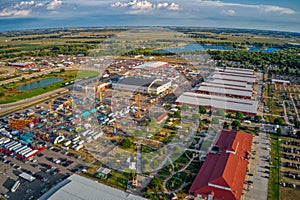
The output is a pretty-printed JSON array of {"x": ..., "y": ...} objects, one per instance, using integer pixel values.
[{"x": 273, "y": 189}]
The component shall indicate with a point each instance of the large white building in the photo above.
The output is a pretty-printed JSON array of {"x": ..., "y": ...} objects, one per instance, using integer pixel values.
[
  {"x": 142, "y": 85},
  {"x": 77, "y": 188}
]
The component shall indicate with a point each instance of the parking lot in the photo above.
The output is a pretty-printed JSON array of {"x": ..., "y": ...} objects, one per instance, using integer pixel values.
[
  {"x": 256, "y": 181},
  {"x": 46, "y": 172}
]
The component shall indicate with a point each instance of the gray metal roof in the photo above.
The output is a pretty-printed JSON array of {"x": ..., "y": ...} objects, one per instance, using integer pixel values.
[
  {"x": 225, "y": 91},
  {"x": 232, "y": 87},
  {"x": 234, "y": 78},
  {"x": 78, "y": 188},
  {"x": 237, "y": 70},
  {"x": 227, "y": 82},
  {"x": 218, "y": 102}
]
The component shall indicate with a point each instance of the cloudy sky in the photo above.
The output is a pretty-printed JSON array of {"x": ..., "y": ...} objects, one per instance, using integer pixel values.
[{"x": 254, "y": 14}]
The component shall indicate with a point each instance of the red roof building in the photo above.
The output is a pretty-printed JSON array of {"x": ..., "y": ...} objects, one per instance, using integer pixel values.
[{"x": 222, "y": 175}]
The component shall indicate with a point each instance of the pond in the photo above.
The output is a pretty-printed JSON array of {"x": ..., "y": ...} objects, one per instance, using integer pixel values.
[{"x": 38, "y": 84}]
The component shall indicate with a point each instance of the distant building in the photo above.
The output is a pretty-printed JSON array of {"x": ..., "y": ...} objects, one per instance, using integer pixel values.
[
  {"x": 23, "y": 64},
  {"x": 223, "y": 173},
  {"x": 151, "y": 66},
  {"x": 281, "y": 82},
  {"x": 142, "y": 85}
]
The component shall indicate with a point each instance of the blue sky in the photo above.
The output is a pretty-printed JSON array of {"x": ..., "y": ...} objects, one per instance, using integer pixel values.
[{"x": 264, "y": 14}]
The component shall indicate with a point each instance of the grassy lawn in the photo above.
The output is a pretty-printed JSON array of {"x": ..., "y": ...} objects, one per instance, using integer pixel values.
[
  {"x": 273, "y": 189},
  {"x": 12, "y": 94}
]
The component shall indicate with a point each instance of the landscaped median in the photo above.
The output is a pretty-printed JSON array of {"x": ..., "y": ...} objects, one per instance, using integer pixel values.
[{"x": 274, "y": 179}]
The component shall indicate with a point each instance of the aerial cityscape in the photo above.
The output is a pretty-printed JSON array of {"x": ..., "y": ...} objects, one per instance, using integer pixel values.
[{"x": 151, "y": 100}]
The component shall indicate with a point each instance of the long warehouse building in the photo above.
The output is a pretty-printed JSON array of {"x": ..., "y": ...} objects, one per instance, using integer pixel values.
[
  {"x": 245, "y": 106},
  {"x": 231, "y": 77},
  {"x": 229, "y": 91}
]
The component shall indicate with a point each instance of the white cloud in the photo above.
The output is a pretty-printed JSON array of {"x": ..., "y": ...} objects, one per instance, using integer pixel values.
[
  {"x": 142, "y": 6},
  {"x": 135, "y": 4},
  {"x": 52, "y": 5},
  {"x": 162, "y": 5},
  {"x": 21, "y": 9},
  {"x": 262, "y": 8},
  {"x": 276, "y": 9},
  {"x": 174, "y": 6},
  {"x": 228, "y": 12}
]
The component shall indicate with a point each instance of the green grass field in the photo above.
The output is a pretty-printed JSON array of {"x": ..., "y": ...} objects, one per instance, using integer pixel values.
[{"x": 273, "y": 189}]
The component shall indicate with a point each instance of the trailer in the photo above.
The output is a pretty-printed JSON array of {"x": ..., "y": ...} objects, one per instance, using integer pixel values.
[
  {"x": 4, "y": 140},
  {"x": 27, "y": 177},
  {"x": 25, "y": 152},
  {"x": 12, "y": 148},
  {"x": 10, "y": 144},
  {"x": 80, "y": 142},
  {"x": 15, "y": 186},
  {"x": 20, "y": 149},
  {"x": 67, "y": 143},
  {"x": 75, "y": 139},
  {"x": 78, "y": 147},
  {"x": 26, "y": 149},
  {"x": 85, "y": 132},
  {"x": 31, "y": 153}
]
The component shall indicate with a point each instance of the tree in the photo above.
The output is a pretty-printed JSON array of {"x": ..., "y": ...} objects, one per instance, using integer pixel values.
[
  {"x": 195, "y": 117},
  {"x": 278, "y": 121},
  {"x": 239, "y": 115},
  {"x": 215, "y": 120},
  {"x": 257, "y": 118},
  {"x": 298, "y": 134},
  {"x": 202, "y": 109},
  {"x": 256, "y": 129},
  {"x": 185, "y": 107},
  {"x": 297, "y": 124},
  {"x": 62, "y": 70},
  {"x": 220, "y": 112},
  {"x": 236, "y": 124},
  {"x": 279, "y": 131},
  {"x": 225, "y": 125},
  {"x": 126, "y": 143}
]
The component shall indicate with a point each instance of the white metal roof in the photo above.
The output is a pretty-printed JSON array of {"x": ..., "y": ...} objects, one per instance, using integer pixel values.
[
  {"x": 150, "y": 65},
  {"x": 236, "y": 70},
  {"x": 232, "y": 87},
  {"x": 218, "y": 102},
  {"x": 233, "y": 78},
  {"x": 225, "y": 91},
  {"x": 27, "y": 176},
  {"x": 77, "y": 188}
]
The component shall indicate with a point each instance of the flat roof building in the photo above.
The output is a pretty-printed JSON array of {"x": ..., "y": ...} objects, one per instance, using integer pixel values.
[
  {"x": 150, "y": 66},
  {"x": 142, "y": 85},
  {"x": 77, "y": 187},
  {"x": 223, "y": 173},
  {"x": 245, "y": 106}
]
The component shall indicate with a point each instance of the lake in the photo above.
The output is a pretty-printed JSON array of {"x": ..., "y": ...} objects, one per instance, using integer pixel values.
[
  {"x": 38, "y": 84},
  {"x": 197, "y": 47}
]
